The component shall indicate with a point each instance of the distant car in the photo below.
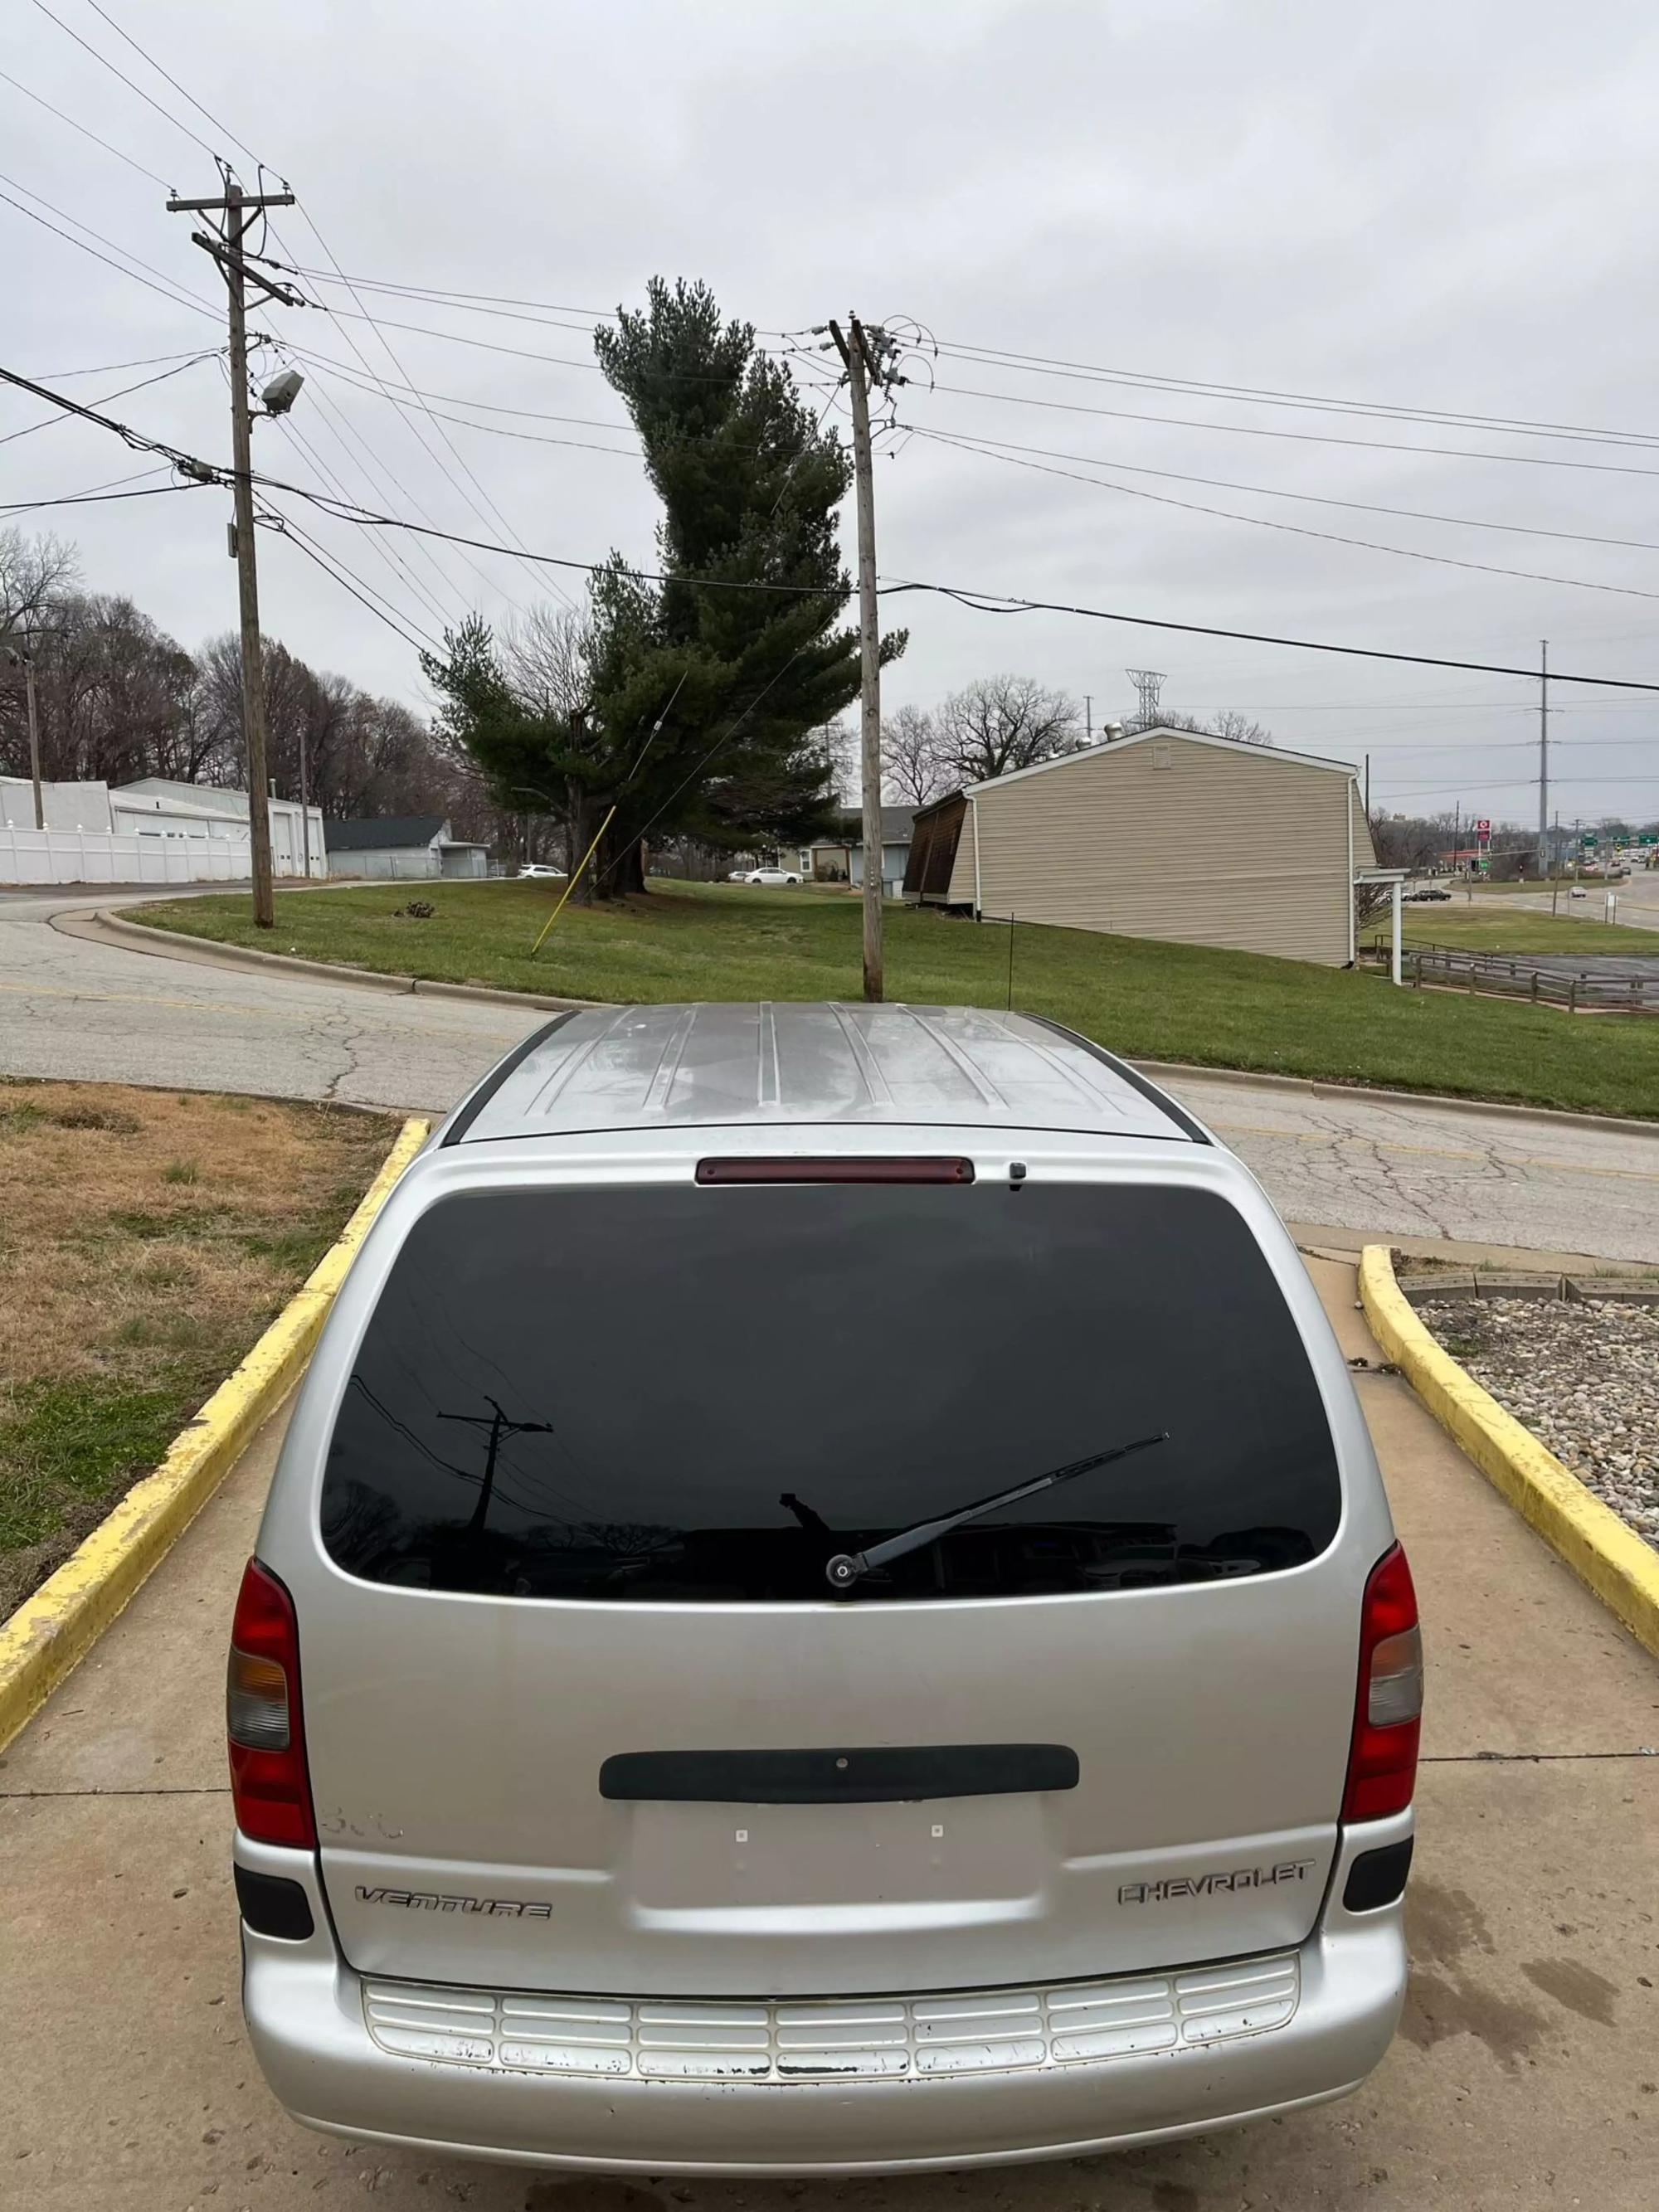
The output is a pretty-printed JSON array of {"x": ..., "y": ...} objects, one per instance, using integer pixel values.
[
  {"x": 1578, "y": 891},
  {"x": 539, "y": 868},
  {"x": 1433, "y": 891},
  {"x": 773, "y": 876}
]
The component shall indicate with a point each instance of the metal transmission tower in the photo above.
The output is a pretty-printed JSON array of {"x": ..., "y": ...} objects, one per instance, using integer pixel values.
[{"x": 1149, "y": 683}]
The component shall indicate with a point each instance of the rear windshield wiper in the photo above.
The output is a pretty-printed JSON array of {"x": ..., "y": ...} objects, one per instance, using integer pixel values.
[{"x": 845, "y": 1569}]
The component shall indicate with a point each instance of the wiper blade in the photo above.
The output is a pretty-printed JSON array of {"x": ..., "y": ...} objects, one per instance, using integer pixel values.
[{"x": 846, "y": 1568}]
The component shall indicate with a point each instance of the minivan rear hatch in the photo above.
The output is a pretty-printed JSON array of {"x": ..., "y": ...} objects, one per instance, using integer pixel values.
[{"x": 583, "y": 1713}]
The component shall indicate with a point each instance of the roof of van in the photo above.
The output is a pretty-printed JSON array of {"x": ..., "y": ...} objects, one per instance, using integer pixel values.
[{"x": 668, "y": 1067}]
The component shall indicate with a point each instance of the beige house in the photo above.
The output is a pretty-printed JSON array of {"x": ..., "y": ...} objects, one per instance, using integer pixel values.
[{"x": 1165, "y": 834}]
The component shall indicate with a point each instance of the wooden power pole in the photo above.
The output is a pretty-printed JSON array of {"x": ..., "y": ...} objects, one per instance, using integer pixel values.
[
  {"x": 239, "y": 209},
  {"x": 860, "y": 375}
]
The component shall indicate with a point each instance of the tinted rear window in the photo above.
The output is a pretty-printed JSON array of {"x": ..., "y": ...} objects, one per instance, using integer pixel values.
[{"x": 676, "y": 1394}]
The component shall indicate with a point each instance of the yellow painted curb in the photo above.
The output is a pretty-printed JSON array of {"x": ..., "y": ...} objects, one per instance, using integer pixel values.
[
  {"x": 50, "y": 1632},
  {"x": 1602, "y": 1551}
]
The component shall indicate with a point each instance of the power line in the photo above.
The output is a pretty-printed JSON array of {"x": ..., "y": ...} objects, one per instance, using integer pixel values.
[
  {"x": 377, "y": 538},
  {"x": 363, "y": 593},
  {"x": 499, "y": 430},
  {"x": 520, "y": 353},
  {"x": 456, "y": 399},
  {"x": 19, "y": 86},
  {"x": 126, "y": 80},
  {"x": 377, "y": 474},
  {"x": 1508, "y": 425},
  {"x": 978, "y": 440},
  {"x": 178, "y": 298},
  {"x": 322, "y": 241},
  {"x": 403, "y": 372},
  {"x": 96, "y": 494},
  {"x": 1295, "y": 529},
  {"x": 104, "y": 399},
  {"x": 1299, "y": 437},
  {"x": 439, "y": 292},
  {"x": 207, "y": 112},
  {"x": 979, "y": 600},
  {"x": 1007, "y": 603},
  {"x": 110, "y": 367}
]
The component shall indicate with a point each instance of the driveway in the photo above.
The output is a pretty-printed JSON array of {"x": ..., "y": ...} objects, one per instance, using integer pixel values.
[
  {"x": 1524, "y": 2074},
  {"x": 98, "y": 1012}
]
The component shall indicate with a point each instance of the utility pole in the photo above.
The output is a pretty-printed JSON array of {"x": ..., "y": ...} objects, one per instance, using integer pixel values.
[
  {"x": 1543, "y": 753},
  {"x": 20, "y": 656},
  {"x": 1368, "y": 789},
  {"x": 499, "y": 1426},
  {"x": 861, "y": 372},
  {"x": 1089, "y": 717},
  {"x": 305, "y": 806},
  {"x": 239, "y": 209}
]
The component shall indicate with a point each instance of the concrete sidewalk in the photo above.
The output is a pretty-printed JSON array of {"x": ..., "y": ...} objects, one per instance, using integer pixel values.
[{"x": 1526, "y": 2073}]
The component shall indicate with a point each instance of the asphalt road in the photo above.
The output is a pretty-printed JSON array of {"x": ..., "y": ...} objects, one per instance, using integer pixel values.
[
  {"x": 87, "y": 1011},
  {"x": 1636, "y": 903}
]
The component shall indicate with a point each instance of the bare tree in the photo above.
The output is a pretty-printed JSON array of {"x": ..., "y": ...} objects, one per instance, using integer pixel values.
[
  {"x": 35, "y": 573},
  {"x": 1003, "y": 723},
  {"x": 1229, "y": 723},
  {"x": 545, "y": 658},
  {"x": 911, "y": 770},
  {"x": 1241, "y": 728},
  {"x": 113, "y": 692}
]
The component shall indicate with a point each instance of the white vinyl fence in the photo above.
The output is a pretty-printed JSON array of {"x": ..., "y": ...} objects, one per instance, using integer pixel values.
[{"x": 106, "y": 856}]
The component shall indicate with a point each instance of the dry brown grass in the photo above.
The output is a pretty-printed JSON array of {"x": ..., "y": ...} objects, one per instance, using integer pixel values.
[{"x": 146, "y": 1238}]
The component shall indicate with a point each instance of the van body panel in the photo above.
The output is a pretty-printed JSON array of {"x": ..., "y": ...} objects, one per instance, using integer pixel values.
[{"x": 455, "y": 1739}]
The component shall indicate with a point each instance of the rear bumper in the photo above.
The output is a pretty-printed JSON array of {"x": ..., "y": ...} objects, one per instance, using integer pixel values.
[{"x": 306, "y": 2023}]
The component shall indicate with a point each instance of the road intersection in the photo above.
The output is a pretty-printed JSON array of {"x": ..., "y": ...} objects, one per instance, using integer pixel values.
[{"x": 76, "y": 1008}]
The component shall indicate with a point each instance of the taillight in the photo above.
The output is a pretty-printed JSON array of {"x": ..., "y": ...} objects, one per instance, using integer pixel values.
[
  {"x": 1388, "y": 1717},
  {"x": 268, "y": 1780}
]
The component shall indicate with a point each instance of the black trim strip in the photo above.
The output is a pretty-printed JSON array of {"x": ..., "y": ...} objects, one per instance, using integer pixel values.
[
  {"x": 470, "y": 1109},
  {"x": 883, "y": 1774},
  {"x": 1132, "y": 1076}
]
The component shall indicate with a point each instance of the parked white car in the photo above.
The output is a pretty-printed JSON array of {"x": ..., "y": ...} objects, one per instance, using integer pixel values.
[
  {"x": 539, "y": 868},
  {"x": 618, "y": 1789},
  {"x": 772, "y": 875}
]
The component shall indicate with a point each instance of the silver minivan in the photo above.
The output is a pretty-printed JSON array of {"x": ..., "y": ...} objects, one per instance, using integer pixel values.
[{"x": 826, "y": 1607}]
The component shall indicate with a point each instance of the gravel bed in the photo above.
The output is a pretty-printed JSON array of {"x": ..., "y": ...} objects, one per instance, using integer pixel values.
[{"x": 1584, "y": 1378}]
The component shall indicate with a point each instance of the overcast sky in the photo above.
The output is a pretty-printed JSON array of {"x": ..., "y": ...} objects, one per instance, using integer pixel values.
[{"x": 1421, "y": 208}]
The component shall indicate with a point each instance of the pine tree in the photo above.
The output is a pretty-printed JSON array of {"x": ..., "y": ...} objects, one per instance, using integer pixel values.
[{"x": 705, "y": 689}]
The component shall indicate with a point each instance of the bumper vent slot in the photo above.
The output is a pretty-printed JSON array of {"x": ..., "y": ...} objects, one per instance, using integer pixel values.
[{"x": 971, "y": 2032}]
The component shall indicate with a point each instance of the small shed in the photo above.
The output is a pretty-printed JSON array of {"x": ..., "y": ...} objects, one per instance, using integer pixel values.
[
  {"x": 402, "y": 847},
  {"x": 839, "y": 857},
  {"x": 1169, "y": 833}
]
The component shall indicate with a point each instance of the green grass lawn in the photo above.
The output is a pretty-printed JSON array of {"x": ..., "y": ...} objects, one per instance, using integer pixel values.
[
  {"x": 1154, "y": 1001},
  {"x": 1475, "y": 929}
]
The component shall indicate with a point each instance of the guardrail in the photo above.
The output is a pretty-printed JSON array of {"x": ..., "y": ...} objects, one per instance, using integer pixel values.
[{"x": 1453, "y": 969}]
